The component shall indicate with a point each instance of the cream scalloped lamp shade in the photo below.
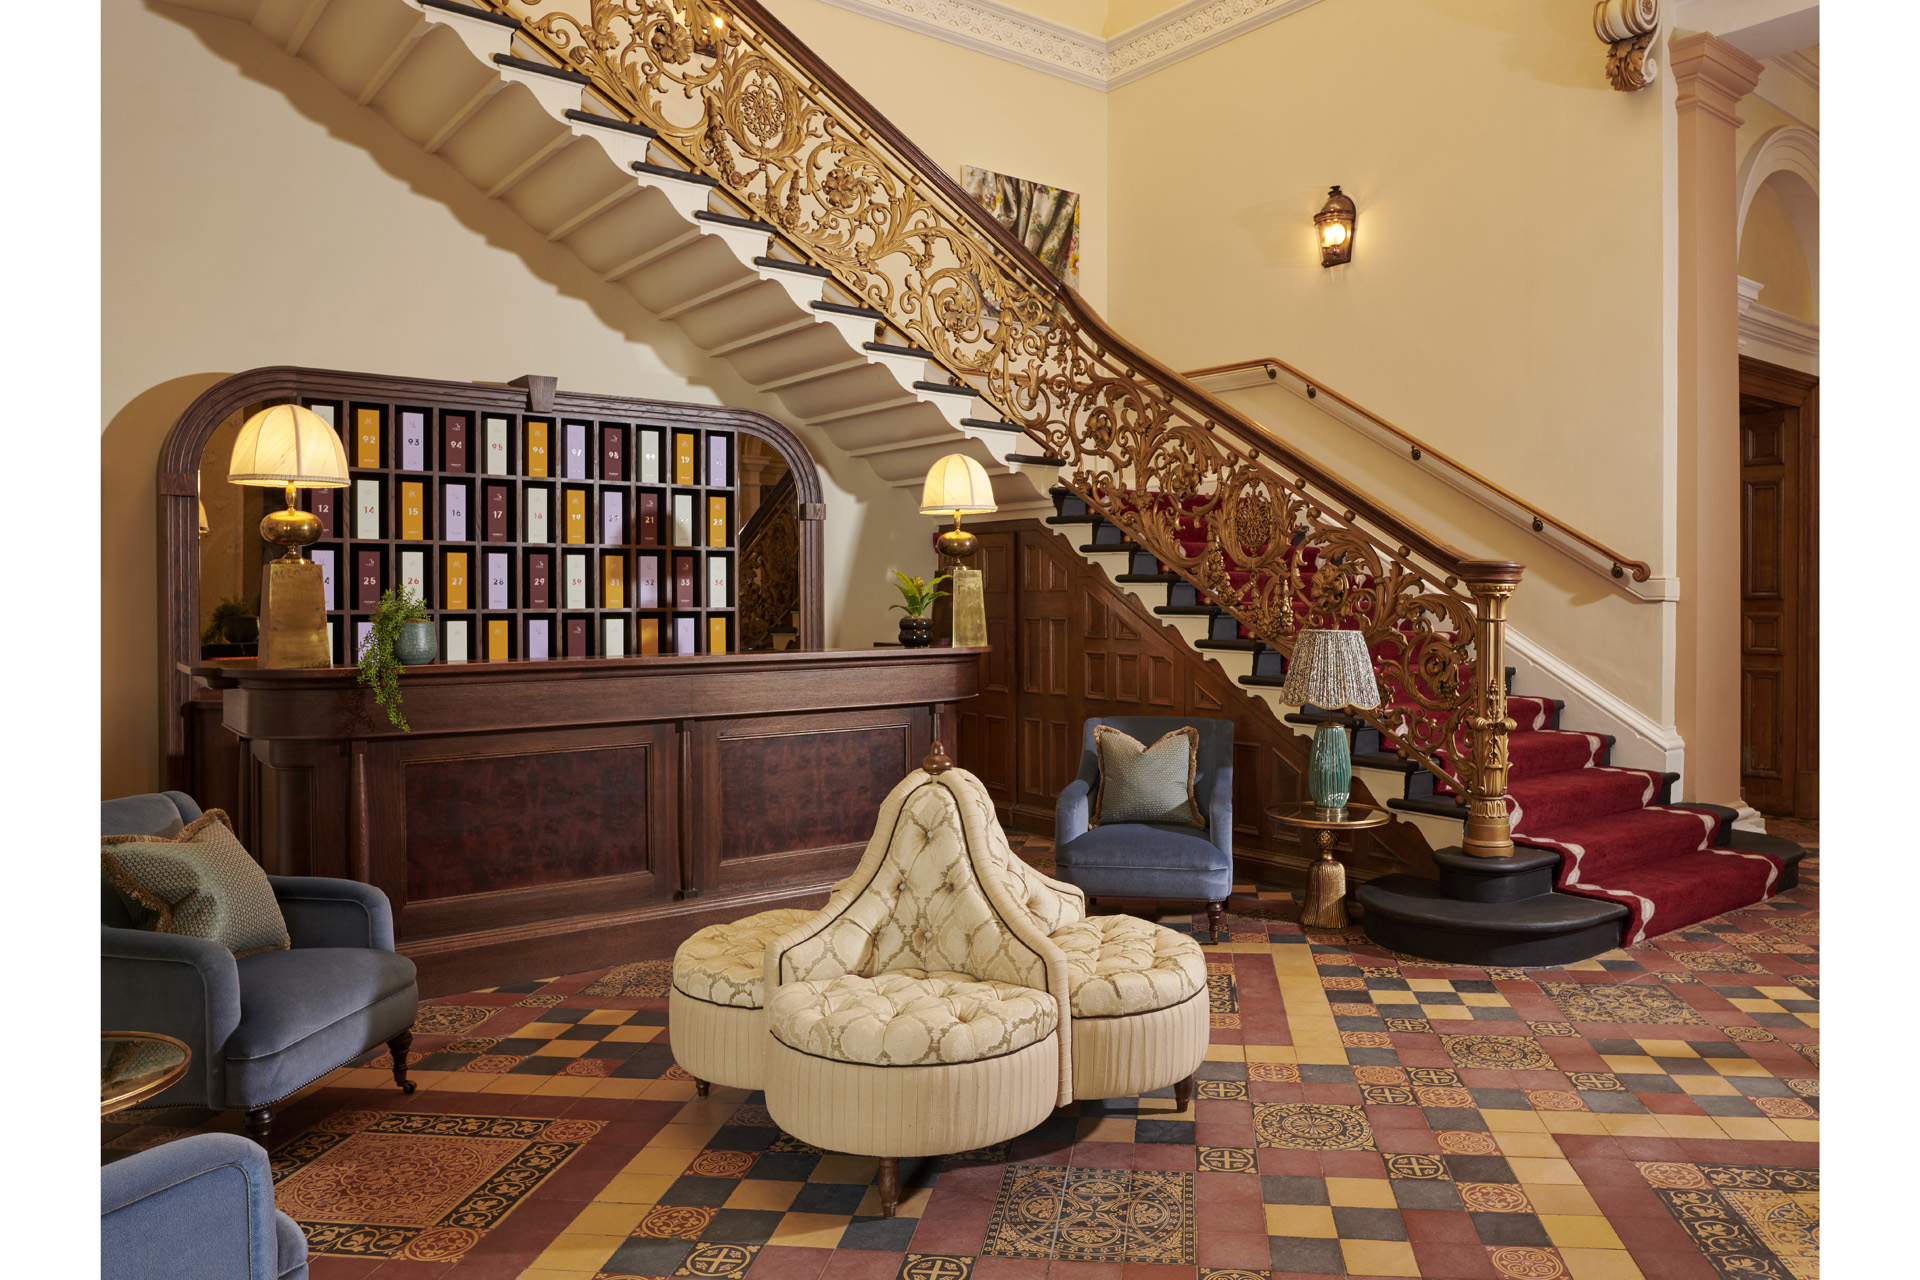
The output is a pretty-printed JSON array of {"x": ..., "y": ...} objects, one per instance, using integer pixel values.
[
  {"x": 1330, "y": 669},
  {"x": 957, "y": 486},
  {"x": 288, "y": 445}
]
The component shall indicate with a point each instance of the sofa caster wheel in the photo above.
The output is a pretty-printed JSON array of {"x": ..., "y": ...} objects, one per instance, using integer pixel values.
[
  {"x": 889, "y": 1185},
  {"x": 701, "y": 1086},
  {"x": 408, "y": 1086}
]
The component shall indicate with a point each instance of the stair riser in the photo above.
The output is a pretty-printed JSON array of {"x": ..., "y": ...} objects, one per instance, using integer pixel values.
[{"x": 1481, "y": 948}]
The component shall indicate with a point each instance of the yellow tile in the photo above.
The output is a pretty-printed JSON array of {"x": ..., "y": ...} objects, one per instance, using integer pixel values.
[
  {"x": 633, "y": 1035},
  {"x": 654, "y": 1158},
  {"x": 1599, "y": 1264},
  {"x": 1631, "y": 1063},
  {"x": 1750, "y": 1129},
  {"x": 912, "y": 1205},
  {"x": 1708, "y": 1086},
  {"x": 1537, "y": 1169},
  {"x": 1548, "y": 1197},
  {"x": 610, "y": 1087},
  {"x": 1225, "y": 1053},
  {"x": 1668, "y": 1048},
  {"x": 1782, "y": 993},
  {"x": 1530, "y": 1144},
  {"x": 1322, "y": 1055},
  {"x": 1429, "y": 984},
  {"x": 1484, "y": 999},
  {"x": 1799, "y": 1130},
  {"x": 1107, "y": 1129},
  {"x": 464, "y": 1082},
  {"x": 683, "y": 1136},
  {"x": 1513, "y": 1121},
  {"x": 1314, "y": 1220},
  {"x": 1386, "y": 997},
  {"x": 542, "y": 1030},
  {"x": 670, "y": 1091},
  {"x": 1746, "y": 1004},
  {"x": 567, "y": 1086},
  {"x": 515, "y": 1084},
  {"x": 857, "y": 1170},
  {"x": 1572, "y": 1122},
  {"x": 423, "y": 1079},
  {"x": 1633, "y": 1126},
  {"x": 1738, "y": 1067},
  {"x": 641, "y": 1189},
  {"x": 711, "y": 1110},
  {"x": 1445, "y": 1012},
  {"x": 811, "y": 1230},
  {"x": 606, "y": 1017},
  {"x": 1270, "y": 1053},
  {"x": 563, "y": 1049},
  {"x": 571, "y": 1254},
  {"x": 1690, "y": 1127},
  {"x": 1809, "y": 1019},
  {"x": 1379, "y": 1258},
  {"x": 606, "y": 1217},
  {"x": 1569, "y": 1231},
  {"x": 753, "y": 1193},
  {"x": 1361, "y": 1193}
]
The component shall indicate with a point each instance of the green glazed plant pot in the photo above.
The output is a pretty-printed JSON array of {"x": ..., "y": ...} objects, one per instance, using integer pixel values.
[
  {"x": 1330, "y": 767},
  {"x": 417, "y": 643},
  {"x": 916, "y": 633}
]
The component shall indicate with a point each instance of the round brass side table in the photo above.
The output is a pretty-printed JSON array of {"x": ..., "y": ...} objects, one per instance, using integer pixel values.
[
  {"x": 137, "y": 1065},
  {"x": 1326, "y": 902}
]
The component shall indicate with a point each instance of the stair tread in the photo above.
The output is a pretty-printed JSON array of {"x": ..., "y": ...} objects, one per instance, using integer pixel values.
[
  {"x": 677, "y": 175},
  {"x": 540, "y": 68},
  {"x": 896, "y": 349},
  {"x": 1245, "y": 646},
  {"x": 1035, "y": 459},
  {"x": 609, "y": 122},
  {"x": 987, "y": 424},
  {"x": 1410, "y": 897},
  {"x": 1189, "y": 610},
  {"x": 944, "y": 389},
  {"x": 783, "y": 264},
  {"x": 466, "y": 10},
  {"x": 1167, "y": 577},
  {"x": 734, "y": 220},
  {"x": 848, "y": 309}
]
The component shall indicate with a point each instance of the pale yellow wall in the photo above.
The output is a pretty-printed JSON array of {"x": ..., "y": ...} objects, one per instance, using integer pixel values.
[
  {"x": 1505, "y": 297},
  {"x": 252, "y": 215},
  {"x": 1770, "y": 252}
]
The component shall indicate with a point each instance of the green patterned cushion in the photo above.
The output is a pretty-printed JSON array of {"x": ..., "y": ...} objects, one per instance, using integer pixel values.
[
  {"x": 1147, "y": 784},
  {"x": 201, "y": 883}
]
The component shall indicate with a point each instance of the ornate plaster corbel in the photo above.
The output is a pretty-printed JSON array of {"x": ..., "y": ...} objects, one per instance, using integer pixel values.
[{"x": 1627, "y": 27}]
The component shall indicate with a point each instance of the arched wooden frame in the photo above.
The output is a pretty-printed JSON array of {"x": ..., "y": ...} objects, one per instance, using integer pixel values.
[{"x": 180, "y": 466}]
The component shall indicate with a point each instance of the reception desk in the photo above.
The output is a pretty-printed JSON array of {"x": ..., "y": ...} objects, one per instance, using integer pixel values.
[{"x": 549, "y": 817}]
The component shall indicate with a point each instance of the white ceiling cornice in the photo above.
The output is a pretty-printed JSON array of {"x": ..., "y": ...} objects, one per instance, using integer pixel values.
[{"x": 1089, "y": 60}]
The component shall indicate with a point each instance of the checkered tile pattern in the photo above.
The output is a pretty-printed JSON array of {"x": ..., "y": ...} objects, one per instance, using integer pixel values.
[{"x": 1649, "y": 1114}]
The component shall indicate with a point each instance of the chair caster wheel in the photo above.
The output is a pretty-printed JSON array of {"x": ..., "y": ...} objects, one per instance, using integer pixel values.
[{"x": 409, "y": 1086}]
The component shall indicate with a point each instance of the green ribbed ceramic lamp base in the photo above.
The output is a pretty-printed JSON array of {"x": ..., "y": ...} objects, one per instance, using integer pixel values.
[{"x": 1330, "y": 767}]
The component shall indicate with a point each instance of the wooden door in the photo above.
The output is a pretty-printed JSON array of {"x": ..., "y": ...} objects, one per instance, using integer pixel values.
[
  {"x": 987, "y": 721},
  {"x": 1778, "y": 592},
  {"x": 1049, "y": 727}
]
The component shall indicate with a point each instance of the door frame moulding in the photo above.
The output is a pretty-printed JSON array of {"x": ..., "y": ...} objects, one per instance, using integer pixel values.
[{"x": 1095, "y": 62}]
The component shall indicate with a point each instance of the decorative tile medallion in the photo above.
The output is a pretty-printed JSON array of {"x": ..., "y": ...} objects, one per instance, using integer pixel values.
[
  {"x": 1497, "y": 1053},
  {"x": 1493, "y": 1197},
  {"x": 1416, "y": 1165},
  {"x": 1718, "y": 962},
  {"x": 1221, "y": 995},
  {"x": 1228, "y": 1159},
  {"x": 1227, "y": 1090},
  {"x": 424, "y": 1187},
  {"x": 1434, "y": 1077},
  {"x": 1621, "y": 1002},
  {"x": 538, "y": 1002},
  {"x": 451, "y": 1019},
  {"x": 719, "y": 1260},
  {"x": 936, "y": 1266},
  {"x": 1467, "y": 1142},
  {"x": 1752, "y": 1035},
  {"x": 1386, "y": 1095},
  {"x": 1311, "y": 1126},
  {"x": 1596, "y": 1081},
  {"x": 645, "y": 980},
  {"x": 721, "y": 1164},
  {"x": 1523, "y": 1262},
  {"x": 674, "y": 1222},
  {"x": 1752, "y": 1222},
  {"x": 1552, "y": 1029},
  {"x": 1274, "y": 1072},
  {"x": 1410, "y": 1026},
  {"x": 1068, "y": 1213}
]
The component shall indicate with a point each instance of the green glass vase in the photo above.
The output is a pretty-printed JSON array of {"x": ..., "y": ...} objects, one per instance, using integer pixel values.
[{"x": 1330, "y": 767}]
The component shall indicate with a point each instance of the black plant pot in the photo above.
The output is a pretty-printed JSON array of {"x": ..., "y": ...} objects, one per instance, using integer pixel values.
[
  {"x": 916, "y": 633},
  {"x": 241, "y": 630}
]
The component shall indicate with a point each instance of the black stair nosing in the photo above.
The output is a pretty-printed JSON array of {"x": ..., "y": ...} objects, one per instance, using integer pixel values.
[
  {"x": 945, "y": 389},
  {"x": 984, "y": 425},
  {"x": 848, "y": 309},
  {"x": 1322, "y": 716},
  {"x": 1035, "y": 460},
  {"x": 679, "y": 175},
  {"x": 1433, "y": 806},
  {"x": 896, "y": 349},
  {"x": 1166, "y": 576},
  {"x": 735, "y": 220},
  {"x": 1091, "y": 517},
  {"x": 1188, "y": 610},
  {"x": 1107, "y": 548},
  {"x": 609, "y": 122},
  {"x": 1786, "y": 850},
  {"x": 1384, "y": 761},
  {"x": 786, "y": 264},
  {"x": 1546, "y": 914},
  {"x": 452, "y": 6},
  {"x": 539, "y": 68},
  {"x": 1235, "y": 645},
  {"x": 1264, "y": 682}
]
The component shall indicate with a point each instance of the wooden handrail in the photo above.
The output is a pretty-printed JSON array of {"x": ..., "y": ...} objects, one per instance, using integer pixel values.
[{"x": 1620, "y": 565}]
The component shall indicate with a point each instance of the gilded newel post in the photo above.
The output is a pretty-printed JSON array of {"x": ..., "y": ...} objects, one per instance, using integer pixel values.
[{"x": 1487, "y": 834}]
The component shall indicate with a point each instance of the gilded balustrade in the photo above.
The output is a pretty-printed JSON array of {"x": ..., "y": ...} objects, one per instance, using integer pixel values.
[{"x": 1207, "y": 491}]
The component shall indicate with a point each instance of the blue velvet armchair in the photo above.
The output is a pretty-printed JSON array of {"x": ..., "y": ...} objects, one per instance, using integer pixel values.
[
  {"x": 265, "y": 1027},
  {"x": 201, "y": 1206},
  {"x": 1152, "y": 861}
]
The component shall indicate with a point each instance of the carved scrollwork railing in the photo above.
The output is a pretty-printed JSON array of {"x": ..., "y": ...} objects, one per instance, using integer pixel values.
[
  {"x": 1269, "y": 535},
  {"x": 769, "y": 566}
]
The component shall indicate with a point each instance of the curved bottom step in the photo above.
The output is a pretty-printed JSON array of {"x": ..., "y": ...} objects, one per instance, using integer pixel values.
[{"x": 1411, "y": 914}]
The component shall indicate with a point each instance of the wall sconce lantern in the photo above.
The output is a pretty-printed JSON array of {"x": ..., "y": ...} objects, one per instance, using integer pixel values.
[{"x": 1334, "y": 222}]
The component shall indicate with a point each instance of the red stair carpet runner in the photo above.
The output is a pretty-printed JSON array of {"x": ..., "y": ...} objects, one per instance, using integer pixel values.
[{"x": 1668, "y": 864}]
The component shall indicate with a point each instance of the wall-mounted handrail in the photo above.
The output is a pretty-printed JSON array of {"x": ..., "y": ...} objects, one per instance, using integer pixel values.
[{"x": 1588, "y": 549}]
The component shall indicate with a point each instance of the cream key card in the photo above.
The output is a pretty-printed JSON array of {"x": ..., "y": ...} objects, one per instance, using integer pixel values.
[
  {"x": 536, "y": 515},
  {"x": 576, "y": 582},
  {"x": 366, "y": 508},
  {"x": 496, "y": 446}
]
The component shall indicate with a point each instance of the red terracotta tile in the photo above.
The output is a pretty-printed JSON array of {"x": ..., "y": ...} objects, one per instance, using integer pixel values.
[
  {"x": 1622, "y": 1201},
  {"x": 1228, "y": 1215},
  {"x": 1224, "y": 1135},
  {"x": 1454, "y": 1261},
  {"x": 1671, "y": 1104},
  {"x": 1226, "y": 1188},
  {"x": 959, "y": 1234},
  {"x": 783, "y": 1262},
  {"x": 1103, "y": 1155},
  {"x": 1274, "y": 1091},
  {"x": 1336, "y": 1094},
  {"x": 1000, "y": 1269},
  {"x": 319, "y": 1268},
  {"x": 864, "y": 1264},
  {"x": 1163, "y": 1155},
  {"x": 1651, "y": 1149},
  {"x": 1352, "y": 1164},
  {"x": 1398, "y": 1141},
  {"x": 1397, "y": 1118},
  {"x": 1085, "y": 1271},
  {"x": 1303, "y": 1164},
  {"x": 1222, "y": 1111},
  {"x": 1598, "y": 1146},
  {"x": 1248, "y": 1249},
  {"x": 406, "y": 1269}
]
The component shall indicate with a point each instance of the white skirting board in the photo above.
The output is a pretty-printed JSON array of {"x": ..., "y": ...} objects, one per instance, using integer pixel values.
[{"x": 1639, "y": 742}]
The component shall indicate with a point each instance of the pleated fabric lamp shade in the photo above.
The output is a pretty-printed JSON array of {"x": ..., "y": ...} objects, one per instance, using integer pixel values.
[
  {"x": 957, "y": 486},
  {"x": 1330, "y": 669},
  {"x": 288, "y": 445}
]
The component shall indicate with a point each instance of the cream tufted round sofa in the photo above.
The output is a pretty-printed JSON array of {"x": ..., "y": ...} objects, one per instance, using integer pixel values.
[
  {"x": 716, "y": 1015},
  {"x": 949, "y": 996}
]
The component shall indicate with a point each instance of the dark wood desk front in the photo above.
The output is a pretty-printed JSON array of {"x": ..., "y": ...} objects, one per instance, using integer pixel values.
[{"x": 550, "y": 817}]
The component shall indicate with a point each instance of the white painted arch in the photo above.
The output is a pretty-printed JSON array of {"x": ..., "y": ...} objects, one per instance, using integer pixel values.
[{"x": 1794, "y": 152}]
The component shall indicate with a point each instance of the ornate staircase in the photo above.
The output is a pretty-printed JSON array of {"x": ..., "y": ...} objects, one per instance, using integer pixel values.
[{"x": 701, "y": 158}]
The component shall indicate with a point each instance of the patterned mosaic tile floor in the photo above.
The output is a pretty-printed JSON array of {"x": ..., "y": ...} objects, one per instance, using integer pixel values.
[{"x": 1647, "y": 1115}]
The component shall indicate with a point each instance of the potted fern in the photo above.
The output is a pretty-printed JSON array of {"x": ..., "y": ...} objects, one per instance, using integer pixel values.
[
  {"x": 401, "y": 636},
  {"x": 916, "y": 629}
]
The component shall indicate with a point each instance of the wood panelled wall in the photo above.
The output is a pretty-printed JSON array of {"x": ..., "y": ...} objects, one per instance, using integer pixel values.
[{"x": 1068, "y": 644}]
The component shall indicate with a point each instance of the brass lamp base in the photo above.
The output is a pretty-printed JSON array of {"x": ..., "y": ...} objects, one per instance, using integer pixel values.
[
  {"x": 293, "y": 614},
  {"x": 956, "y": 543}
]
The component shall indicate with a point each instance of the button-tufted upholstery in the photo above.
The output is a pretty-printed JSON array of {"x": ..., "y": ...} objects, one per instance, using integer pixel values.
[
  {"x": 910, "y": 1017},
  {"x": 723, "y": 963},
  {"x": 1119, "y": 965}
]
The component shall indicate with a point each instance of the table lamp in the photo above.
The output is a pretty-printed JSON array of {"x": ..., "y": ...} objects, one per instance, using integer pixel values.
[
  {"x": 292, "y": 447},
  {"x": 1332, "y": 670},
  {"x": 958, "y": 486}
]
